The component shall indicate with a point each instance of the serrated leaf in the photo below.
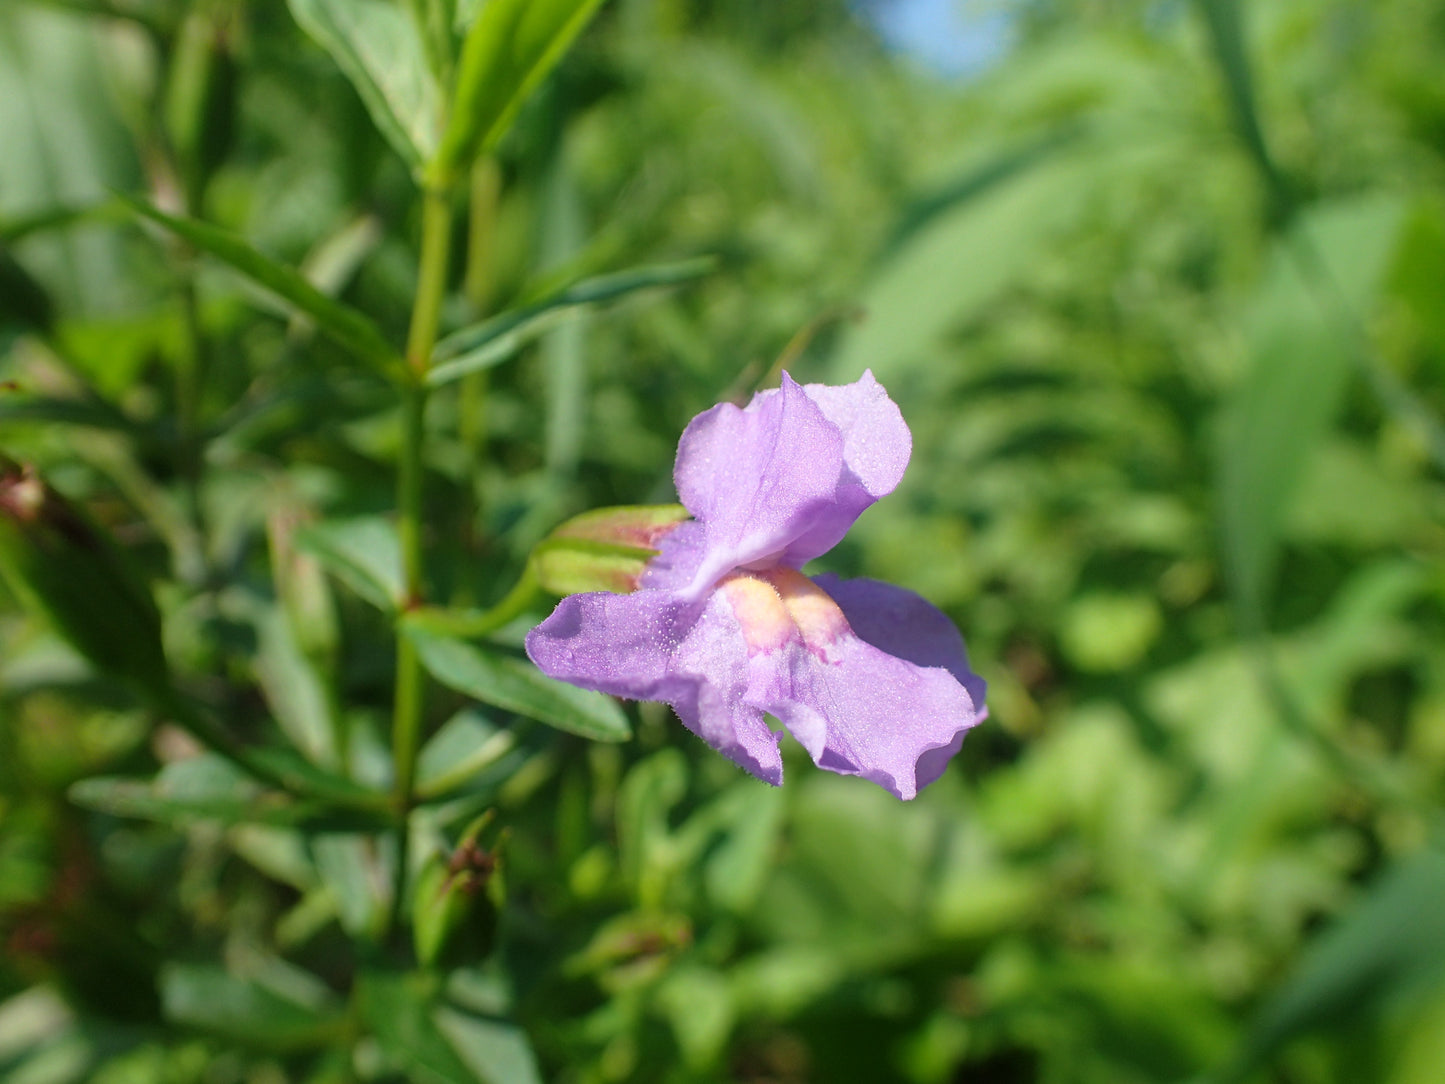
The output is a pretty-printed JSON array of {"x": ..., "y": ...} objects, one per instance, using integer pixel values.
[
  {"x": 364, "y": 554},
  {"x": 349, "y": 328},
  {"x": 377, "y": 46},
  {"x": 510, "y": 47},
  {"x": 514, "y": 685},
  {"x": 493, "y": 341}
]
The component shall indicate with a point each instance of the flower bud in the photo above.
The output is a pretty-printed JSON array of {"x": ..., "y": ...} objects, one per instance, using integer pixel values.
[
  {"x": 458, "y": 897},
  {"x": 604, "y": 550},
  {"x": 57, "y": 562}
]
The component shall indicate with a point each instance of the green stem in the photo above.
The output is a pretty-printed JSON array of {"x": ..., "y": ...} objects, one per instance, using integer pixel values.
[
  {"x": 410, "y": 685},
  {"x": 190, "y": 440},
  {"x": 474, "y": 624},
  {"x": 477, "y": 287}
]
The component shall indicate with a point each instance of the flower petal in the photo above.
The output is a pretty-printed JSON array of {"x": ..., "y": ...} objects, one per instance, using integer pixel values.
[
  {"x": 757, "y": 477},
  {"x": 876, "y": 449},
  {"x": 861, "y": 711},
  {"x": 906, "y": 625},
  {"x": 651, "y": 645},
  {"x": 713, "y": 662},
  {"x": 618, "y": 644},
  {"x": 781, "y": 480}
]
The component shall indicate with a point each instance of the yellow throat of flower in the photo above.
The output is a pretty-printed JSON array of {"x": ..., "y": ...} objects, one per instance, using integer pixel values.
[{"x": 777, "y": 604}]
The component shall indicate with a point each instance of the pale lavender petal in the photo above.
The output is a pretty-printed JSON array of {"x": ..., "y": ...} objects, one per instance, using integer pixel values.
[
  {"x": 618, "y": 644},
  {"x": 680, "y": 556},
  {"x": 860, "y": 711},
  {"x": 651, "y": 645},
  {"x": 906, "y": 625},
  {"x": 757, "y": 477},
  {"x": 876, "y": 449},
  {"x": 713, "y": 660}
]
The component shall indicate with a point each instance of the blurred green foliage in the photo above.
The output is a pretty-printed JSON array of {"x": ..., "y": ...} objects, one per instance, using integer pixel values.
[{"x": 1160, "y": 294}]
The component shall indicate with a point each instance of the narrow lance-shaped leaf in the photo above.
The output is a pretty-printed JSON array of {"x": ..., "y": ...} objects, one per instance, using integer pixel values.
[
  {"x": 1389, "y": 948},
  {"x": 364, "y": 553},
  {"x": 378, "y": 48},
  {"x": 349, "y": 328},
  {"x": 514, "y": 685},
  {"x": 1226, "y": 37},
  {"x": 493, "y": 341},
  {"x": 63, "y": 565},
  {"x": 510, "y": 47},
  {"x": 1326, "y": 272}
]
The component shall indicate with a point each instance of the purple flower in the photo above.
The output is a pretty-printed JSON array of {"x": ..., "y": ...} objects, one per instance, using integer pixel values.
[{"x": 870, "y": 678}]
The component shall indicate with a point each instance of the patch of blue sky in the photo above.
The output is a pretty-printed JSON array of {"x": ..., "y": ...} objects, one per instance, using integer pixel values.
[{"x": 955, "y": 38}]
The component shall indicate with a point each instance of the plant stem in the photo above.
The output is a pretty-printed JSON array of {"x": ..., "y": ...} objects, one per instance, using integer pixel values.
[{"x": 410, "y": 686}]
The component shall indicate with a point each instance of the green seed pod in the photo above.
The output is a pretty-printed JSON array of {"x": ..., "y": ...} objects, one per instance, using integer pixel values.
[
  {"x": 457, "y": 901},
  {"x": 604, "y": 550},
  {"x": 59, "y": 563}
]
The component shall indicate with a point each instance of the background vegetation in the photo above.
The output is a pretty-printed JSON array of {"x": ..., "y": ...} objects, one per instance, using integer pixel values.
[{"x": 1160, "y": 293}]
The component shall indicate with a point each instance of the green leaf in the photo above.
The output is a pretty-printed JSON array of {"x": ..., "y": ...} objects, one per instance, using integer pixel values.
[
  {"x": 1418, "y": 274},
  {"x": 209, "y": 788},
  {"x": 510, "y": 47},
  {"x": 1226, "y": 39},
  {"x": 398, "y": 1011},
  {"x": 293, "y": 688},
  {"x": 349, "y": 328},
  {"x": 465, "y": 745},
  {"x": 291, "y": 1011},
  {"x": 357, "y": 873},
  {"x": 68, "y": 569},
  {"x": 95, "y": 414},
  {"x": 1390, "y": 948},
  {"x": 1302, "y": 342},
  {"x": 647, "y": 852},
  {"x": 376, "y": 45},
  {"x": 364, "y": 554},
  {"x": 493, "y": 341},
  {"x": 959, "y": 256},
  {"x": 518, "y": 686},
  {"x": 496, "y": 1052},
  {"x": 24, "y": 302}
]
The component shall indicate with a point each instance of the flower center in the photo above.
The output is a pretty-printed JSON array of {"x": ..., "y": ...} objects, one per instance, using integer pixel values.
[{"x": 776, "y": 604}]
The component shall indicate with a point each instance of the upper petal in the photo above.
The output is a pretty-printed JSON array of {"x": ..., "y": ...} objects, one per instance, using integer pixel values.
[
  {"x": 906, "y": 625},
  {"x": 876, "y": 449},
  {"x": 781, "y": 480}
]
